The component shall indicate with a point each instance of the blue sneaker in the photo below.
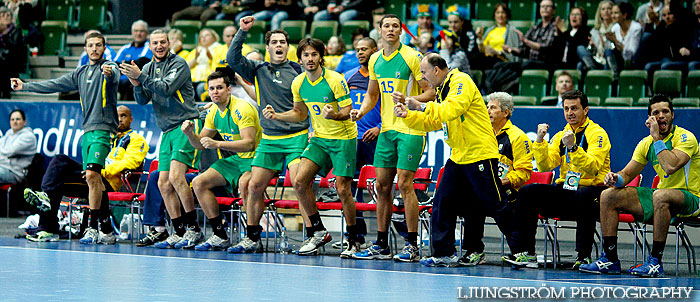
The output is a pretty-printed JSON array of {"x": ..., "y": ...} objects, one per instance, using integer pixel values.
[
  {"x": 374, "y": 252},
  {"x": 168, "y": 242},
  {"x": 652, "y": 268},
  {"x": 602, "y": 266},
  {"x": 90, "y": 236},
  {"x": 448, "y": 261},
  {"x": 190, "y": 239},
  {"x": 408, "y": 254},
  {"x": 246, "y": 246}
]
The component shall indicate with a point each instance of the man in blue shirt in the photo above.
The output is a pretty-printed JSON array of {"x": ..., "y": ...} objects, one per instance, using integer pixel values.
[
  {"x": 349, "y": 60},
  {"x": 137, "y": 51}
]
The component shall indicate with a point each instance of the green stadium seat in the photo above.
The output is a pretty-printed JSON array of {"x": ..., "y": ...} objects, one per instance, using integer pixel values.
[
  {"x": 598, "y": 83},
  {"x": 643, "y": 102},
  {"x": 190, "y": 30},
  {"x": 533, "y": 82},
  {"x": 693, "y": 84},
  {"x": 576, "y": 74},
  {"x": 296, "y": 29},
  {"x": 218, "y": 26},
  {"x": 258, "y": 46},
  {"x": 477, "y": 75},
  {"x": 256, "y": 34},
  {"x": 396, "y": 7},
  {"x": 521, "y": 25},
  {"x": 523, "y": 9},
  {"x": 619, "y": 101},
  {"x": 667, "y": 82},
  {"x": 92, "y": 14},
  {"x": 591, "y": 6},
  {"x": 686, "y": 102},
  {"x": 60, "y": 10},
  {"x": 55, "y": 33},
  {"x": 593, "y": 101},
  {"x": 563, "y": 9},
  {"x": 484, "y": 9},
  {"x": 351, "y": 26},
  {"x": 324, "y": 30},
  {"x": 632, "y": 83},
  {"x": 520, "y": 100}
]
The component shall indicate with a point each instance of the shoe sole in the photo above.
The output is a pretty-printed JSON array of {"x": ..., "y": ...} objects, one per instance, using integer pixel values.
[
  {"x": 373, "y": 257},
  {"x": 471, "y": 264},
  {"x": 42, "y": 240},
  {"x": 598, "y": 272},
  {"x": 646, "y": 275},
  {"x": 34, "y": 200},
  {"x": 406, "y": 260},
  {"x": 441, "y": 265}
]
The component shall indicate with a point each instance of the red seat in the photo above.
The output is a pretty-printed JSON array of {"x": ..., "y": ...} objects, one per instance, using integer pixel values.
[
  {"x": 421, "y": 179},
  {"x": 287, "y": 204},
  {"x": 325, "y": 181},
  {"x": 540, "y": 178},
  {"x": 123, "y": 196},
  {"x": 655, "y": 183},
  {"x": 635, "y": 182},
  {"x": 628, "y": 218},
  {"x": 329, "y": 206},
  {"x": 227, "y": 201}
]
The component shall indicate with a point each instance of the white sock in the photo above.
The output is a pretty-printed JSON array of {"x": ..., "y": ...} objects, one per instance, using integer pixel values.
[{"x": 160, "y": 229}]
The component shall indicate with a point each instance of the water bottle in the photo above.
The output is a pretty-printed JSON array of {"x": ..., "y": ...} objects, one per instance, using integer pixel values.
[
  {"x": 124, "y": 232},
  {"x": 284, "y": 242}
]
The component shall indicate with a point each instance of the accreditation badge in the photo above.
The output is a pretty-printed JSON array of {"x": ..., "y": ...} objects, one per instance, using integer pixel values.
[
  {"x": 571, "y": 181},
  {"x": 444, "y": 131},
  {"x": 502, "y": 169}
]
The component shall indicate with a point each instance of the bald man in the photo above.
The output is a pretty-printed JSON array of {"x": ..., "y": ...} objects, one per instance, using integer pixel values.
[{"x": 128, "y": 150}]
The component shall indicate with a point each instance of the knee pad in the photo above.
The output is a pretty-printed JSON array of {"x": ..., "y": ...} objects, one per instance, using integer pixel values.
[{"x": 94, "y": 167}]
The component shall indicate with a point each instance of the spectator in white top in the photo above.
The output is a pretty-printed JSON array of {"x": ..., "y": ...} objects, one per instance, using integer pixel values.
[
  {"x": 624, "y": 38},
  {"x": 17, "y": 148}
]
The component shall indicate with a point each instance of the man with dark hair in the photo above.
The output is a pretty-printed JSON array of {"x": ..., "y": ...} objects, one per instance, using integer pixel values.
[
  {"x": 322, "y": 94},
  {"x": 166, "y": 82},
  {"x": 17, "y": 148},
  {"x": 469, "y": 183},
  {"x": 97, "y": 85},
  {"x": 128, "y": 151},
  {"x": 582, "y": 153},
  {"x": 281, "y": 141},
  {"x": 237, "y": 122},
  {"x": 394, "y": 74},
  {"x": 673, "y": 152},
  {"x": 538, "y": 41}
]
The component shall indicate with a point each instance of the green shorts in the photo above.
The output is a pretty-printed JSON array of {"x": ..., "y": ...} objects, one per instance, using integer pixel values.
[
  {"x": 232, "y": 168},
  {"x": 399, "y": 150},
  {"x": 272, "y": 153},
  {"x": 95, "y": 147},
  {"x": 337, "y": 154},
  {"x": 690, "y": 206},
  {"x": 175, "y": 146}
]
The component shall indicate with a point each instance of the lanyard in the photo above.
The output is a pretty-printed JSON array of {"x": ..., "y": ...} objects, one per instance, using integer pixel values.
[
  {"x": 120, "y": 142},
  {"x": 580, "y": 145}
]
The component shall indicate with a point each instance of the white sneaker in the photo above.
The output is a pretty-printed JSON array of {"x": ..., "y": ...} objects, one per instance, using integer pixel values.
[
  {"x": 313, "y": 243},
  {"x": 90, "y": 236},
  {"x": 353, "y": 247},
  {"x": 213, "y": 243},
  {"x": 190, "y": 239},
  {"x": 246, "y": 246},
  {"x": 169, "y": 242},
  {"x": 106, "y": 238}
]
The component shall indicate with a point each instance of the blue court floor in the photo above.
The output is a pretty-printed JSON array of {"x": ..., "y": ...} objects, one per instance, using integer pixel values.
[{"x": 68, "y": 271}]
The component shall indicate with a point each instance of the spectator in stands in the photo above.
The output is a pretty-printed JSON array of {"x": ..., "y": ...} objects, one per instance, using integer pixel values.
[
  {"x": 593, "y": 56},
  {"x": 695, "y": 51},
  {"x": 514, "y": 170},
  {"x": 568, "y": 41},
  {"x": 201, "y": 60},
  {"x": 648, "y": 13},
  {"x": 109, "y": 55},
  {"x": 17, "y": 148},
  {"x": 673, "y": 153},
  {"x": 128, "y": 151},
  {"x": 624, "y": 38},
  {"x": 452, "y": 52},
  {"x": 342, "y": 10},
  {"x": 498, "y": 40},
  {"x": 138, "y": 51},
  {"x": 13, "y": 53},
  {"x": 334, "y": 52},
  {"x": 563, "y": 83},
  {"x": 426, "y": 43},
  {"x": 582, "y": 153},
  {"x": 202, "y": 10},
  {"x": 176, "y": 37},
  {"x": 254, "y": 55},
  {"x": 376, "y": 25},
  {"x": 425, "y": 25},
  {"x": 270, "y": 10},
  {"x": 222, "y": 49},
  {"x": 309, "y": 8},
  {"x": 349, "y": 60},
  {"x": 458, "y": 22},
  {"x": 537, "y": 48},
  {"x": 674, "y": 37}
]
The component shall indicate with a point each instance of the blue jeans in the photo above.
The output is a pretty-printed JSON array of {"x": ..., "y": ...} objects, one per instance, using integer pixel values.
[
  {"x": 665, "y": 64},
  {"x": 276, "y": 17},
  {"x": 346, "y": 15},
  {"x": 694, "y": 65},
  {"x": 153, "y": 206}
]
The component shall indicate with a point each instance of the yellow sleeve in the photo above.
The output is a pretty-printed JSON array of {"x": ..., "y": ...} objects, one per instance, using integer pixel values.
[
  {"x": 340, "y": 91},
  {"x": 296, "y": 86},
  {"x": 457, "y": 102},
  {"x": 687, "y": 143},
  {"x": 592, "y": 160},
  {"x": 640, "y": 151},
  {"x": 413, "y": 59},
  {"x": 419, "y": 120},
  {"x": 244, "y": 115},
  {"x": 372, "y": 61},
  {"x": 547, "y": 154},
  {"x": 522, "y": 161},
  {"x": 134, "y": 155},
  {"x": 209, "y": 120}
]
